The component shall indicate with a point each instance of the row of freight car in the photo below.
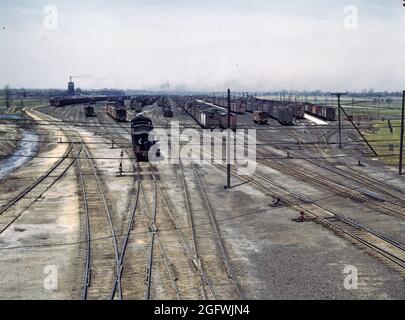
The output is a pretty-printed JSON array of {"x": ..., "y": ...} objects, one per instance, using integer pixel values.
[
  {"x": 134, "y": 101},
  {"x": 238, "y": 105},
  {"x": 139, "y": 102},
  {"x": 282, "y": 113},
  {"x": 164, "y": 103},
  {"x": 206, "y": 116},
  {"x": 66, "y": 101},
  {"x": 285, "y": 113}
]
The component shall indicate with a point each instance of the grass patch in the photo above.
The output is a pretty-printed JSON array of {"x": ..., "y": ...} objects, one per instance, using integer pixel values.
[
  {"x": 385, "y": 141},
  {"x": 16, "y": 104}
]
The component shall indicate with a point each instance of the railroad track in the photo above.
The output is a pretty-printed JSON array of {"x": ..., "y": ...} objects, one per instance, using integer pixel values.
[
  {"x": 118, "y": 279},
  {"x": 192, "y": 254},
  {"x": 206, "y": 286},
  {"x": 395, "y": 204},
  {"x": 155, "y": 241},
  {"x": 33, "y": 193},
  {"x": 224, "y": 254},
  {"x": 184, "y": 276},
  {"x": 37, "y": 182},
  {"x": 30, "y": 196},
  {"x": 204, "y": 282},
  {"x": 101, "y": 251},
  {"x": 101, "y": 262},
  {"x": 349, "y": 192},
  {"x": 377, "y": 245},
  {"x": 159, "y": 256},
  {"x": 371, "y": 182}
]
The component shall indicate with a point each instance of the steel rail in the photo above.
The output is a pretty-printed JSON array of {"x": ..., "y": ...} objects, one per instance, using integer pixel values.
[
  {"x": 108, "y": 213},
  {"x": 225, "y": 257}
]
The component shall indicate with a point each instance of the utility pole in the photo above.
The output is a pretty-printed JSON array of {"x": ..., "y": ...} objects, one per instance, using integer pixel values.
[
  {"x": 7, "y": 96},
  {"x": 338, "y": 95},
  {"x": 228, "y": 145},
  {"x": 401, "y": 148}
]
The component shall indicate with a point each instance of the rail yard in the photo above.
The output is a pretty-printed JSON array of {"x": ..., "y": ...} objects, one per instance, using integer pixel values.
[{"x": 89, "y": 206}]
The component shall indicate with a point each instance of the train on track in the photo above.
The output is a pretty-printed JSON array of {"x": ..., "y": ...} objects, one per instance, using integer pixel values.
[
  {"x": 324, "y": 112},
  {"x": 286, "y": 112},
  {"x": 260, "y": 117},
  {"x": 136, "y": 105},
  {"x": 206, "y": 116},
  {"x": 117, "y": 112},
  {"x": 238, "y": 105},
  {"x": 89, "y": 111},
  {"x": 67, "y": 101},
  {"x": 164, "y": 103},
  {"x": 141, "y": 127},
  {"x": 168, "y": 112},
  {"x": 282, "y": 113}
]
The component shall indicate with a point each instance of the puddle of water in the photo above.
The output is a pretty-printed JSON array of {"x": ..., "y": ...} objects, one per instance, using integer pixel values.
[
  {"x": 11, "y": 117},
  {"x": 24, "y": 153}
]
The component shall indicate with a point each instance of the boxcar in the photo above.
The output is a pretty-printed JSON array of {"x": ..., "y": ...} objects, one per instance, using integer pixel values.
[
  {"x": 117, "y": 112},
  {"x": 209, "y": 119},
  {"x": 325, "y": 112},
  {"x": 224, "y": 121},
  {"x": 281, "y": 114},
  {"x": 330, "y": 113},
  {"x": 260, "y": 117},
  {"x": 238, "y": 108},
  {"x": 298, "y": 110}
]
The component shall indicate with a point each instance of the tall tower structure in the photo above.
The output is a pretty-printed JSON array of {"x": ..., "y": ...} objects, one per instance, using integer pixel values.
[{"x": 71, "y": 88}]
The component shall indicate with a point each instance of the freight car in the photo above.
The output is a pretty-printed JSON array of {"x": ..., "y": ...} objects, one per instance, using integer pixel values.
[
  {"x": 207, "y": 117},
  {"x": 141, "y": 127},
  {"x": 237, "y": 105},
  {"x": 275, "y": 109},
  {"x": 66, "y": 101},
  {"x": 297, "y": 110},
  {"x": 118, "y": 101},
  {"x": 135, "y": 105},
  {"x": 224, "y": 121},
  {"x": 168, "y": 112},
  {"x": 281, "y": 113},
  {"x": 117, "y": 112},
  {"x": 325, "y": 112},
  {"x": 61, "y": 102},
  {"x": 89, "y": 111},
  {"x": 260, "y": 117}
]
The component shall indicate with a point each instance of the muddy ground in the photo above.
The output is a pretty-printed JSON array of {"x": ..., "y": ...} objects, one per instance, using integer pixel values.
[{"x": 9, "y": 134}]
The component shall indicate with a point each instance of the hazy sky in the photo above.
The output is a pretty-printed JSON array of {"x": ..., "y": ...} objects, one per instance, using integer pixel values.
[{"x": 203, "y": 44}]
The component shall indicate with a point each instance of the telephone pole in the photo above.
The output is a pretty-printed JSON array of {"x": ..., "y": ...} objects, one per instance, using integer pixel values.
[
  {"x": 338, "y": 95},
  {"x": 228, "y": 145},
  {"x": 228, "y": 148},
  {"x": 401, "y": 148}
]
